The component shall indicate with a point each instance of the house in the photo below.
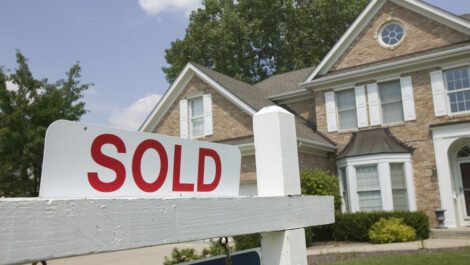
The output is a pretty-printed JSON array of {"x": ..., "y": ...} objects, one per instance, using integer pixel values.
[{"x": 387, "y": 109}]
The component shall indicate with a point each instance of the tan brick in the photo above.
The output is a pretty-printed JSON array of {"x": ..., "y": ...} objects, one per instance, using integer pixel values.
[
  {"x": 421, "y": 34},
  {"x": 413, "y": 133}
]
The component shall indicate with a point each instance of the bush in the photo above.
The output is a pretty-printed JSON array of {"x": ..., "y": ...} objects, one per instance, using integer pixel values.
[
  {"x": 320, "y": 182},
  {"x": 189, "y": 254},
  {"x": 182, "y": 255},
  {"x": 390, "y": 231},
  {"x": 243, "y": 242},
  {"x": 356, "y": 226}
]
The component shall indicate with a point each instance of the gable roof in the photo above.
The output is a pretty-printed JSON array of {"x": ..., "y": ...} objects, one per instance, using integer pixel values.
[
  {"x": 371, "y": 142},
  {"x": 247, "y": 97},
  {"x": 244, "y": 91},
  {"x": 427, "y": 10}
]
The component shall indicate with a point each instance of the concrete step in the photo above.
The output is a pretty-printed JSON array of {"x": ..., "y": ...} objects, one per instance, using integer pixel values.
[{"x": 451, "y": 233}]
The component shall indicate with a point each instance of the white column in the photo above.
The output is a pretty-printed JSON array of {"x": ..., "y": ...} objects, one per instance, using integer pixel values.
[
  {"x": 277, "y": 171},
  {"x": 441, "y": 147}
]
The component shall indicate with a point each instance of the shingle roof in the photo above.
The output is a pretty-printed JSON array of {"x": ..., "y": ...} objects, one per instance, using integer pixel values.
[
  {"x": 244, "y": 91},
  {"x": 282, "y": 83},
  {"x": 376, "y": 141},
  {"x": 465, "y": 16},
  {"x": 254, "y": 97}
]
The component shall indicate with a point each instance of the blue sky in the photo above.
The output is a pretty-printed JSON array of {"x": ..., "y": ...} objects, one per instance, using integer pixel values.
[{"x": 120, "y": 46}]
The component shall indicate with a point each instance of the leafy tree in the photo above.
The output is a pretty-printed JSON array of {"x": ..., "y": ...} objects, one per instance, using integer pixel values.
[
  {"x": 25, "y": 114},
  {"x": 251, "y": 39}
]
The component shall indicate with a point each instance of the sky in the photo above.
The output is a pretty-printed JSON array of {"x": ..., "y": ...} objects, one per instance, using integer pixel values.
[{"x": 120, "y": 46}]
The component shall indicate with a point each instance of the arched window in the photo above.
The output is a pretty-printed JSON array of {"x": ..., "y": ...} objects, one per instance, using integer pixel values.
[{"x": 464, "y": 152}]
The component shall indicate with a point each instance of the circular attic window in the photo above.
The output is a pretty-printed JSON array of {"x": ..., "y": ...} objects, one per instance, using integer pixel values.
[{"x": 391, "y": 34}]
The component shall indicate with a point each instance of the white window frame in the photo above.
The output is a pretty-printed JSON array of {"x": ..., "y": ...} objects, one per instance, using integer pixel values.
[
  {"x": 343, "y": 182},
  {"x": 381, "y": 103},
  {"x": 383, "y": 162},
  {"x": 368, "y": 190},
  {"x": 444, "y": 79},
  {"x": 191, "y": 118},
  {"x": 337, "y": 109},
  {"x": 382, "y": 28}
]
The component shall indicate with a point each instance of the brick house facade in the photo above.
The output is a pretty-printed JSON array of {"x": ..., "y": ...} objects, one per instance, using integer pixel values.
[{"x": 400, "y": 74}]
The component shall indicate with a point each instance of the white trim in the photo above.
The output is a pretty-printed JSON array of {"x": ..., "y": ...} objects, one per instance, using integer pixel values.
[
  {"x": 348, "y": 37},
  {"x": 414, "y": 64},
  {"x": 445, "y": 139},
  {"x": 383, "y": 169},
  {"x": 382, "y": 28},
  {"x": 178, "y": 86},
  {"x": 439, "y": 15},
  {"x": 369, "y": 12}
]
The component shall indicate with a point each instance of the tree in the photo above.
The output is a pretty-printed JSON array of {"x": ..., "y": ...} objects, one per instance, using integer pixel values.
[
  {"x": 251, "y": 40},
  {"x": 25, "y": 113}
]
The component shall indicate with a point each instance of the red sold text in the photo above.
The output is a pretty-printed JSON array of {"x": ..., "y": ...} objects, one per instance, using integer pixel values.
[{"x": 150, "y": 144}]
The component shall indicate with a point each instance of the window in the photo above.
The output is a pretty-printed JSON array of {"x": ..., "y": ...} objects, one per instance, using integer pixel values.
[
  {"x": 391, "y": 34},
  {"x": 391, "y": 101},
  {"x": 458, "y": 88},
  {"x": 344, "y": 187},
  {"x": 196, "y": 117},
  {"x": 368, "y": 188},
  {"x": 397, "y": 175},
  {"x": 346, "y": 104}
]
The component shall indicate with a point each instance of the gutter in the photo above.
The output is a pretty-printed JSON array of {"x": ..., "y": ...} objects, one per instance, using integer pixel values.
[{"x": 410, "y": 62}]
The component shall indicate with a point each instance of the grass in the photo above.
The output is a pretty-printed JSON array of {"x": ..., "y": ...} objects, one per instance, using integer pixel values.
[{"x": 451, "y": 257}]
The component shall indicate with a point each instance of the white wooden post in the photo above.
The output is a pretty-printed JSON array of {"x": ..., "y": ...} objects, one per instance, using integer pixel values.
[{"x": 277, "y": 171}]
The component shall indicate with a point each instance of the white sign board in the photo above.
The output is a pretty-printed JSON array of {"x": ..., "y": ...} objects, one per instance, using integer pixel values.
[{"x": 87, "y": 161}]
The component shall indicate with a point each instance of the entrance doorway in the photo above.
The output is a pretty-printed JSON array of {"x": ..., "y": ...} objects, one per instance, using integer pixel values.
[{"x": 465, "y": 189}]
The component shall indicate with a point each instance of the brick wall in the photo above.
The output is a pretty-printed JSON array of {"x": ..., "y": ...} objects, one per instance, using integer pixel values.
[
  {"x": 421, "y": 34},
  {"x": 229, "y": 121},
  {"x": 306, "y": 109},
  {"x": 414, "y": 133}
]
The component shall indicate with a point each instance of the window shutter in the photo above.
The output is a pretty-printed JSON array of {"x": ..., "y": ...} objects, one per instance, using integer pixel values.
[
  {"x": 438, "y": 93},
  {"x": 207, "y": 98},
  {"x": 361, "y": 106},
  {"x": 332, "y": 125},
  {"x": 407, "y": 97},
  {"x": 184, "y": 119},
  {"x": 374, "y": 105}
]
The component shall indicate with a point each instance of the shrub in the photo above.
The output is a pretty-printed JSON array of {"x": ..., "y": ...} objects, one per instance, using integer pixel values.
[
  {"x": 320, "y": 182},
  {"x": 356, "y": 226},
  {"x": 390, "y": 231},
  {"x": 243, "y": 242},
  {"x": 182, "y": 255}
]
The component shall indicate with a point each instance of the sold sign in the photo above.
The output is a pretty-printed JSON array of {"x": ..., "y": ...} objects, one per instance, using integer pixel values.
[{"x": 90, "y": 161}]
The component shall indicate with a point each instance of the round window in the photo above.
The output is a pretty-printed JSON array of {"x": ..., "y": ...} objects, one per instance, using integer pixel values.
[{"x": 391, "y": 34}]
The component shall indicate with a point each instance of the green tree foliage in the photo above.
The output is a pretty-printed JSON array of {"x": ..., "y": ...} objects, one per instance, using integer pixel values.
[
  {"x": 25, "y": 114},
  {"x": 251, "y": 40},
  {"x": 320, "y": 182}
]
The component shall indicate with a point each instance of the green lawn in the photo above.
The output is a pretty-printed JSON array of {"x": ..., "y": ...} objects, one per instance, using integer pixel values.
[{"x": 453, "y": 258}]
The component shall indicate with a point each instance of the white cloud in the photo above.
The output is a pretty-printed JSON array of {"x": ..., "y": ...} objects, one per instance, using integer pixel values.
[
  {"x": 11, "y": 86},
  {"x": 153, "y": 7},
  {"x": 132, "y": 116}
]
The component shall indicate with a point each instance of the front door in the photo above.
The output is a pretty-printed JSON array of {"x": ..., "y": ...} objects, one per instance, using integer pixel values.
[{"x": 465, "y": 190}]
